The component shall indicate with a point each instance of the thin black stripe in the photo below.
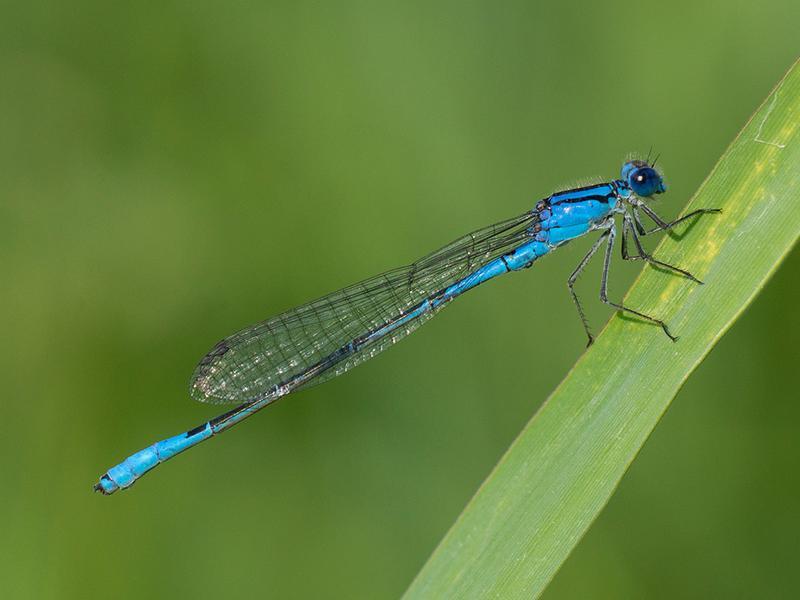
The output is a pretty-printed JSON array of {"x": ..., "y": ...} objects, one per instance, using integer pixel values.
[{"x": 599, "y": 198}]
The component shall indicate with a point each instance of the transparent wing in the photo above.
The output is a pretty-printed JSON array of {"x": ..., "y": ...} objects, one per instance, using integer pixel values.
[{"x": 248, "y": 364}]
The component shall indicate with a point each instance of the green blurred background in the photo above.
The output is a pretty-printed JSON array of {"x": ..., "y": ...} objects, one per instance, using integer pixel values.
[{"x": 175, "y": 171}]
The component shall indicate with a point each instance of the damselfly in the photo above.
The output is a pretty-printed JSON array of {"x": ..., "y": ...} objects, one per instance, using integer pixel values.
[{"x": 320, "y": 340}]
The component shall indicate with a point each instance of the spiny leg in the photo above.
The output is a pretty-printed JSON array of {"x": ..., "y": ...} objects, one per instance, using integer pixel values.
[
  {"x": 661, "y": 224},
  {"x": 574, "y": 277},
  {"x": 604, "y": 287},
  {"x": 628, "y": 227},
  {"x": 625, "y": 255}
]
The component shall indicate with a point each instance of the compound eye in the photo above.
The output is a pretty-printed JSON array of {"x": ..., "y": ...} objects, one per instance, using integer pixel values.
[{"x": 646, "y": 181}]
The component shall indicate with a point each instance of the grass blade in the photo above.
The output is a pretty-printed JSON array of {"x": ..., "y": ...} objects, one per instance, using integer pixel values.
[{"x": 551, "y": 484}]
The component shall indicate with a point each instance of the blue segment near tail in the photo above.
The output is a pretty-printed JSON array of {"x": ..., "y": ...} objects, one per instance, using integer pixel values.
[
  {"x": 325, "y": 338},
  {"x": 128, "y": 471}
]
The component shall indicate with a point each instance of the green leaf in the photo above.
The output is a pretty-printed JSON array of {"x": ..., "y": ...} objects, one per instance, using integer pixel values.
[{"x": 559, "y": 473}]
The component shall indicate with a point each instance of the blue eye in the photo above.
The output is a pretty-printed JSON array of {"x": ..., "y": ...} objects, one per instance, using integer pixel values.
[{"x": 643, "y": 179}]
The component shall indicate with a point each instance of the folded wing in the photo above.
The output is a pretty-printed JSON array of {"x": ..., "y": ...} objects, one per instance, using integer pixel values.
[{"x": 249, "y": 364}]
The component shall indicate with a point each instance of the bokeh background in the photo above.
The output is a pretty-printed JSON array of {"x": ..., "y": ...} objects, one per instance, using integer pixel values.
[{"x": 174, "y": 171}]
